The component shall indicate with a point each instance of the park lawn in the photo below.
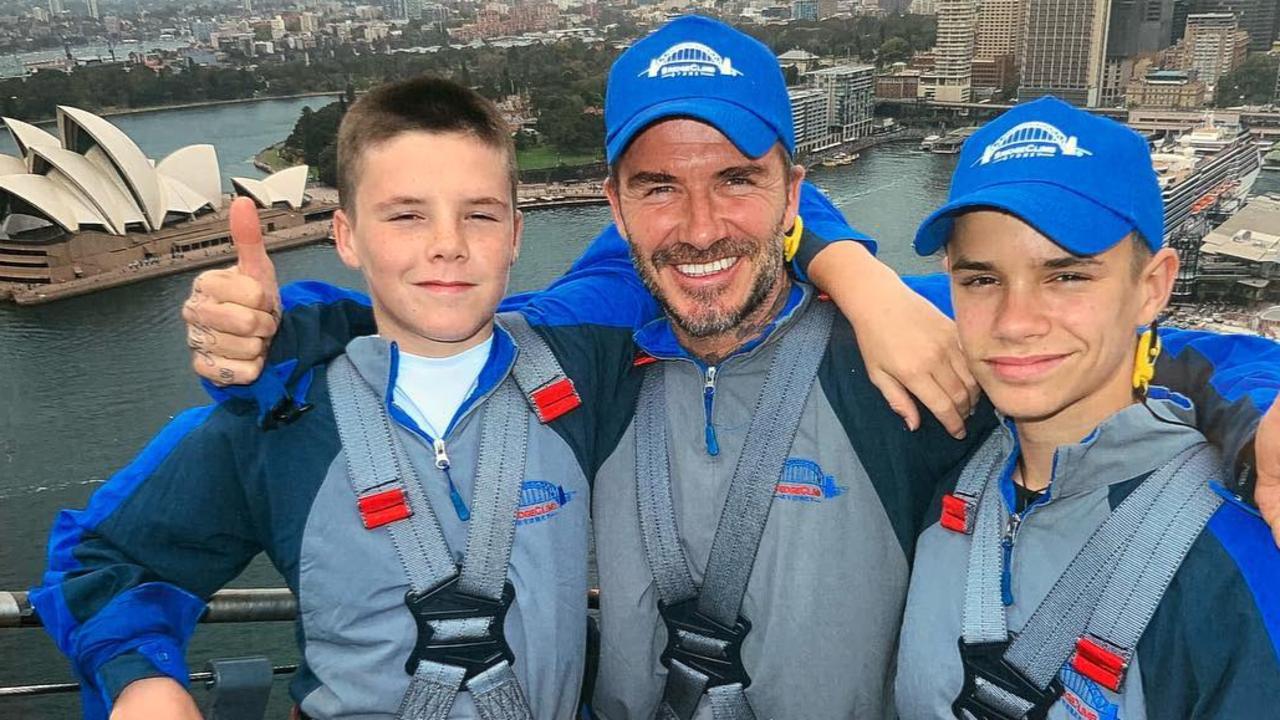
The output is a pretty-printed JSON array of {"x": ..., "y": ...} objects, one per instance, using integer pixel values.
[{"x": 541, "y": 157}]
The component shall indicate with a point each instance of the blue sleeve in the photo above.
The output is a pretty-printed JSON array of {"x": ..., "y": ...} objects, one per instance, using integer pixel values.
[
  {"x": 1232, "y": 379},
  {"x": 824, "y": 224},
  {"x": 1212, "y": 650},
  {"x": 123, "y": 589}
]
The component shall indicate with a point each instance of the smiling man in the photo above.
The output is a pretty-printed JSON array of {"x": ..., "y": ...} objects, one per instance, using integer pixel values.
[{"x": 1090, "y": 562}]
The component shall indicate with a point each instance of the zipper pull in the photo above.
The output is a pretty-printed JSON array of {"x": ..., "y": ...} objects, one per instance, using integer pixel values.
[
  {"x": 1006, "y": 572},
  {"x": 442, "y": 457},
  {"x": 708, "y": 401}
]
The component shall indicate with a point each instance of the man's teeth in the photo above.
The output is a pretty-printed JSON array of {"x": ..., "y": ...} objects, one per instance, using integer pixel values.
[{"x": 702, "y": 269}]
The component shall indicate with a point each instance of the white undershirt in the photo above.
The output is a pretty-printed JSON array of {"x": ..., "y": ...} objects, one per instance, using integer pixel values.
[{"x": 432, "y": 389}]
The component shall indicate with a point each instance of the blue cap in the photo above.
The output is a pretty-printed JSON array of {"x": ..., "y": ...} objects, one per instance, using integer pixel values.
[
  {"x": 699, "y": 68},
  {"x": 1081, "y": 180}
]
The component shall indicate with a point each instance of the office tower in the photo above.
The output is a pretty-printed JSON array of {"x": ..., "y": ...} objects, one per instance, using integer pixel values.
[
  {"x": 1214, "y": 45},
  {"x": 850, "y": 91},
  {"x": 1063, "y": 49},
  {"x": 1259, "y": 18},
  {"x": 953, "y": 50}
]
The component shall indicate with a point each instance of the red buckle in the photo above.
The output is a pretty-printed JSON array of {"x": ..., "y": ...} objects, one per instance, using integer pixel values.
[
  {"x": 957, "y": 513},
  {"x": 643, "y": 359},
  {"x": 381, "y": 508},
  {"x": 1100, "y": 661},
  {"x": 555, "y": 399}
]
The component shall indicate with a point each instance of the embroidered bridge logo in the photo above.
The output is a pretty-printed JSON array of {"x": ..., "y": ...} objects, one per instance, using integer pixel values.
[
  {"x": 804, "y": 481},
  {"x": 1085, "y": 699},
  {"x": 1032, "y": 139},
  {"x": 540, "y": 501},
  {"x": 690, "y": 59}
]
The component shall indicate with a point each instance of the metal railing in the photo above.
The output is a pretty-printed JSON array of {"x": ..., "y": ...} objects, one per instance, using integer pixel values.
[{"x": 238, "y": 687}]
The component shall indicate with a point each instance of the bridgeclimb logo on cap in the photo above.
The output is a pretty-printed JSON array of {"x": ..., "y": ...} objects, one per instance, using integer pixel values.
[
  {"x": 1032, "y": 139},
  {"x": 690, "y": 59}
]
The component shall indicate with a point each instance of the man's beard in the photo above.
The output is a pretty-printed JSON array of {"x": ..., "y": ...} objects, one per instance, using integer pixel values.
[{"x": 765, "y": 254}]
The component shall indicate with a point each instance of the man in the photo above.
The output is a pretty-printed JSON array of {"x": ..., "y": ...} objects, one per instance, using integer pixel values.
[
  {"x": 745, "y": 371},
  {"x": 1055, "y": 258},
  {"x": 361, "y": 500}
]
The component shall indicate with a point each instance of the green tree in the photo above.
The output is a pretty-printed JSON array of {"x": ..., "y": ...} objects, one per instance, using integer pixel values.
[
  {"x": 1253, "y": 83},
  {"x": 893, "y": 50}
]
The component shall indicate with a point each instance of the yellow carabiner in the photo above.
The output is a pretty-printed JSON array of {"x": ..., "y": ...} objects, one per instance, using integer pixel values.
[
  {"x": 791, "y": 241},
  {"x": 1144, "y": 364}
]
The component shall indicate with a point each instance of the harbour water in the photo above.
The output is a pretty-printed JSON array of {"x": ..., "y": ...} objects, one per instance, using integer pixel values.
[{"x": 86, "y": 381}]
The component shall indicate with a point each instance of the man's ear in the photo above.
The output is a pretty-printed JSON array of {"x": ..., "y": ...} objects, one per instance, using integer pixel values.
[
  {"x": 518, "y": 231},
  {"x": 1156, "y": 282},
  {"x": 344, "y": 240},
  {"x": 615, "y": 204},
  {"x": 793, "y": 195}
]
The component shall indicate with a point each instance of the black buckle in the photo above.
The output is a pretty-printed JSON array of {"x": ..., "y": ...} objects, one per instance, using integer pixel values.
[
  {"x": 985, "y": 661},
  {"x": 284, "y": 413},
  {"x": 447, "y": 602},
  {"x": 721, "y": 669}
]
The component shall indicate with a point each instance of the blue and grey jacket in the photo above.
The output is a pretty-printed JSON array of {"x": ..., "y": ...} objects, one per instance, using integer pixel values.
[
  {"x": 127, "y": 575},
  {"x": 1212, "y": 649}
]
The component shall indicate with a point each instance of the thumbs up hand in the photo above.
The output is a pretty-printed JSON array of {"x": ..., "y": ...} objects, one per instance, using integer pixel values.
[{"x": 233, "y": 313}]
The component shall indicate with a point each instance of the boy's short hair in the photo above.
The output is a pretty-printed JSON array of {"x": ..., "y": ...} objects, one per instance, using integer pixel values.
[{"x": 419, "y": 104}]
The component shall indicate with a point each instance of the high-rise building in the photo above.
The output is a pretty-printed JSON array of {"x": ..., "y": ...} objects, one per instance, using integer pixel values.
[
  {"x": 850, "y": 90},
  {"x": 55, "y": 7},
  {"x": 923, "y": 7},
  {"x": 998, "y": 25},
  {"x": 954, "y": 49},
  {"x": 1136, "y": 28},
  {"x": 1063, "y": 50},
  {"x": 1213, "y": 46},
  {"x": 809, "y": 117},
  {"x": 247, "y": 6},
  {"x": 92, "y": 7},
  {"x": 1259, "y": 18}
]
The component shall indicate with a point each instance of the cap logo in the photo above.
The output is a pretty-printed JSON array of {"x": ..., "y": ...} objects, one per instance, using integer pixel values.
[
  {"x": 690, "y": 59},
  {"x": 1032, "y": 139}
]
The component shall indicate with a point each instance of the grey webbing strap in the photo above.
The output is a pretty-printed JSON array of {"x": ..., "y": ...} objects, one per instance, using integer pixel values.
[
  {"x": 538, "y": 370},
  {"x": 377, "y": 462},
  {"x": 742, "y": 520},
  {"x": 657, "y": 507},
  {"x": 1123, "y": 571},
  {"x": 774, "y": 422},
  {"x": 1112, "y": 587}
]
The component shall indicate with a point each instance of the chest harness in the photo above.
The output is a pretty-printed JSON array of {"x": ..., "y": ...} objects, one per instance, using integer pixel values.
[
  {"x": 459, "y": 612},
  {"x": 705, "y": 631},
  {"x": 1096, "y": 612}
]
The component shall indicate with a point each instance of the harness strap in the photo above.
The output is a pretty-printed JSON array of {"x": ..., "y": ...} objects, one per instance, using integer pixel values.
[
  {"x": 1098, "y": 609},
  {"x": 704, "y": 629},
  {"x": 459, "y": 613},
  {"x": 550, "y": 391}
]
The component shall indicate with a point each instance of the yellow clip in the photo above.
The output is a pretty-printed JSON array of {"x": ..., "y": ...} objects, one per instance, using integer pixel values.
[
  {"x": 791, "y": 241},
  {"x": 1144, "y": 364}
]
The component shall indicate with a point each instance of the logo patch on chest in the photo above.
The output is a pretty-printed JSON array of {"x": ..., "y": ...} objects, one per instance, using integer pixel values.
[
  {"x": 540, "y": 501},
  {"x": 804, "y": 481},
  {"x": 1084, "y": 699}
]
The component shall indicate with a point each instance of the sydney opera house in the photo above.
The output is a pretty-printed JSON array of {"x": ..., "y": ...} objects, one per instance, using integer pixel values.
[{"x": 88, "y": 203}]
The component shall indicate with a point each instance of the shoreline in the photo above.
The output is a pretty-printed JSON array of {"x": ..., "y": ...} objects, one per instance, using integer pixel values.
[{"x": 192, "y": 105}]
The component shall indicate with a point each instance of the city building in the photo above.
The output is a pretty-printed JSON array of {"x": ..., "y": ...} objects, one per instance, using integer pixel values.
[
  {"x": 804, "y": 9},
  {"x": 995, "y": 75},
  {"x": 809, "y": 117},
  {"x": 953, "y": 50},
  {"x": 1136, "y": 29},
  {"x": 1213, "y": 45},
  {"x": 924, "y": 7},
  {"x": 55, "y": 7},
  {"x": 1166, "y": 89},
  {"x": 1240, "y": 260},
  {"x": 850, "y": 90},
  {"x": 901, "y": 84},
  {"x": 91, "y": 6},
  {"x": 801, "y": 60},
  {"x": 998, "y": 24},
  {"x": 1259, "y": 18},
  {"x": 1063, "y": 50}
]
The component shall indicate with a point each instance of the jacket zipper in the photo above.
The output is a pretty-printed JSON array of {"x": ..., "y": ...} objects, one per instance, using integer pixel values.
[{"x": 708, "y": 402}]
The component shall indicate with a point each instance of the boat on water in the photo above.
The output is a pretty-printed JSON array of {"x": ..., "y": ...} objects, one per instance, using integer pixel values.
[
  {"x": 1205, "y": 177},
  {"x": 952, "y": 142},
  {"x": 840, "y": 159},
  {"x": 1271, "y": 160},
  {"x": 928, "y": 141}
]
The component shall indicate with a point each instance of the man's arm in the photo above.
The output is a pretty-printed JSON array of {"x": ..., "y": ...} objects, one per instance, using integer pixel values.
[{"x": 126, "y": 576}]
